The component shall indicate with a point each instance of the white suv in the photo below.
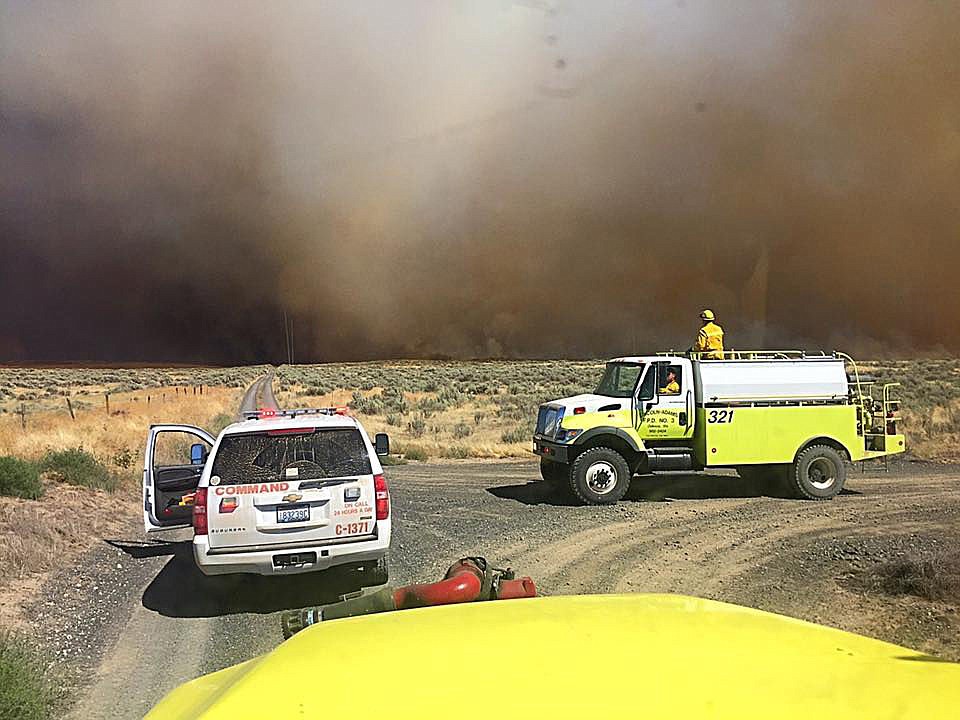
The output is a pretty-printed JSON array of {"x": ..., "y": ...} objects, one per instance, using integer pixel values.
[{"x": 281, "y": 492}]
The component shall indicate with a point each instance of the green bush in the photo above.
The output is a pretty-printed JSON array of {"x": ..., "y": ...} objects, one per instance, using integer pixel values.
[
  {"x": 19, "y": 478},
  {"x": 417, "y": 426},
  {"x": 26, "y": 690},
  {"x": 415, "y": 452},
  {"x": 461, "y": 430},
  {"x": 518, "y": 434},
  {"x": 456, "y": 452},
  {"x": 78, "y": 467}
]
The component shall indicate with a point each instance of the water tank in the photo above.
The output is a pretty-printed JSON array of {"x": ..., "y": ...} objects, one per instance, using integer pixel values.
[{"x": 760, "y": 380}]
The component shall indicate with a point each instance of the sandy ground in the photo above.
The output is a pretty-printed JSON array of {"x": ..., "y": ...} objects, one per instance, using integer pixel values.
[{"x": 135, "y": 618}]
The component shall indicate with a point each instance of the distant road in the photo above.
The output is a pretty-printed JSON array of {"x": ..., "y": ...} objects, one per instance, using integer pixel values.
[{"x": 259, "y": 395}]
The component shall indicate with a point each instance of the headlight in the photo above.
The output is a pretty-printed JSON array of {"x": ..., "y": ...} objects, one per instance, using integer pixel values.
[{"x": 567, "y": 435}]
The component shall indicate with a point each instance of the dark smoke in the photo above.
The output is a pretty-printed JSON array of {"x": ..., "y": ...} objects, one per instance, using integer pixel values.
[{"x": 520, "y": 179}]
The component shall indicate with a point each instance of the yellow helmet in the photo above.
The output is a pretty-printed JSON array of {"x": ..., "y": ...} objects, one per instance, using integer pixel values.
[{"x": 707, "y": 315}]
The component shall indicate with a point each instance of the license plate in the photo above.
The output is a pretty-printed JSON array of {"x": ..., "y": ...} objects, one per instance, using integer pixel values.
[{"x": 297, "y": 513}]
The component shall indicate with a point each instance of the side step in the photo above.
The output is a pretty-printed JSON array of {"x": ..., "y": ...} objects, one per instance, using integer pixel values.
[{"x": 667, "y": 458}]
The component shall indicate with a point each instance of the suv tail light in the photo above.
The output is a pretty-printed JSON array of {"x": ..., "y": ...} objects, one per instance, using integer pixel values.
[
  {"x": 200, "y": 512},
  {"x": 382, "y": 496}
]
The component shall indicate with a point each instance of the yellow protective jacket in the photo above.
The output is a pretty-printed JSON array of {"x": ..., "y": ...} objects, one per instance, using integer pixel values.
[
  {"x": 671, "y": 388},
  {"x": 710, "y": 341}
]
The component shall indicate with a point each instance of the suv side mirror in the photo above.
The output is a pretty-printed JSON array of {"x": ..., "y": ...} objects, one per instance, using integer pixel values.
[
  {"x": 198, "y": 454},
  {"x": 381, "y": 443}
]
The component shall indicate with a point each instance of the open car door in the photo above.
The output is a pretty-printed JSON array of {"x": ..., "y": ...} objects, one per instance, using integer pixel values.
[{"x": 172, "y": 466}]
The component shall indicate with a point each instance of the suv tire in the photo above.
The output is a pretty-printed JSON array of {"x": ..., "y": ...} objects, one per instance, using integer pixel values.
[
  {"x": 818, "y": 473},
  {"x": 599, "y": 476},
  {"x": 374, "y": 574}
]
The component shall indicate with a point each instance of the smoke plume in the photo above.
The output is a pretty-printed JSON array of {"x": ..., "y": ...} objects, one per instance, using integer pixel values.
[{"x": 476, "y": 179}]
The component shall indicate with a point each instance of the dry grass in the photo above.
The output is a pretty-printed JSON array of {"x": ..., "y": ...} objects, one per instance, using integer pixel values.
[
  {"x": 930, "y": 390},
  {"x": 35, "y": 536},
  {"x": 41, "y": 535},
  {"x": 117, "y": 439},
  {"x": 934, "y": 577}
]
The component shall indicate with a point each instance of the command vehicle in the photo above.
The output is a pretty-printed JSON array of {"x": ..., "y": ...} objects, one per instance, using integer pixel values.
[
  {"x": 280, "y": 492},
  {"x": 661, "y": 657},
  {"x": 778, "y": 415}
]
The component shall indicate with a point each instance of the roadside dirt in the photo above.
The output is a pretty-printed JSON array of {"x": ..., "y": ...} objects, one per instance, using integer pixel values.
[{"x": 153, "y": 621}]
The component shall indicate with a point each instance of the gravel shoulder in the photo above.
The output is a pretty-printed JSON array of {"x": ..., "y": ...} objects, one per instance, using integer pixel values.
[{"x": 135, "y": 618}]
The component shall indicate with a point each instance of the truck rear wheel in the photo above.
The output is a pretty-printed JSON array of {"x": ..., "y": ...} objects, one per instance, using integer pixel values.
[
  {"x": 818, "y": 473},
  {"x": 599, "y": 476}
]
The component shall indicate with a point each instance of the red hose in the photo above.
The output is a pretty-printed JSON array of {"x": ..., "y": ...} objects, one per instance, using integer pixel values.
[
  {"x": 514, "y": 589},
  {"x": 462, "y": 584}
]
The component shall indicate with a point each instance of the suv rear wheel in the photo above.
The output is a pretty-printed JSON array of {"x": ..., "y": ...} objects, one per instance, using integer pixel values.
[
  {"x": 374, "y": 573},
  {"x": 599, "y": 476},
  {"x": 818, "y": 473}
]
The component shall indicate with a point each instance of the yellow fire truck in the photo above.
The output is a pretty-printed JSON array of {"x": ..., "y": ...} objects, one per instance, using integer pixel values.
[{"x": 770, "y": 414}]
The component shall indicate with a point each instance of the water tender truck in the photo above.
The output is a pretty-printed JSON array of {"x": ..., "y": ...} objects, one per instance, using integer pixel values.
[{"x": 772, "y": 415}]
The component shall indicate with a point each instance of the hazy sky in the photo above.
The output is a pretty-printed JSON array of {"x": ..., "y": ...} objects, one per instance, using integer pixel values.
[{"x": 438, "y": 178}]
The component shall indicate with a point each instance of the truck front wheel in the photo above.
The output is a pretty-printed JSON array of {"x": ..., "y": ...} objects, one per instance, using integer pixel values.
[
  {"x": 599, "y": 476},
  {"x": 818, "y": 473}
]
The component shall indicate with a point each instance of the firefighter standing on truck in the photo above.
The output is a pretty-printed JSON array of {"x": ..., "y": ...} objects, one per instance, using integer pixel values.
[{"x": 710, "y": 338}]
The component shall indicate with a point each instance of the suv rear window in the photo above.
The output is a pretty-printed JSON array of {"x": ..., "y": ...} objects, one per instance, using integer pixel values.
[{"x": 317, "y": 454}]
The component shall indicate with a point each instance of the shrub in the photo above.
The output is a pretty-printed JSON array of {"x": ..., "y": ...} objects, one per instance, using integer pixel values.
[
  {"x": 26, "y": 690},
  {"x": 457, "y": 452},
  {"x": 19, "y": 478},
  {"x": 415, "y": 452},
  {"x": 935, "y": 577},
  {"x": 124, "y": 458},
  {"x": 417, "y": 425},
  {"x": 78, "y": 467},
  {"x": 461, "y": 430},
  {"x": 518, "y": 434}
]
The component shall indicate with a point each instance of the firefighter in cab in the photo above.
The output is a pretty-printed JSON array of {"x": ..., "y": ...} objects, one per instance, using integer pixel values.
[{"x": 710, "y": 338}]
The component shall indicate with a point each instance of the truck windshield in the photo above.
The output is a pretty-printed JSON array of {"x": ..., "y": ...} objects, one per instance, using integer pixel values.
[
  {"x": 619, "y": 379},
  {"x": 312, "y": 455}
]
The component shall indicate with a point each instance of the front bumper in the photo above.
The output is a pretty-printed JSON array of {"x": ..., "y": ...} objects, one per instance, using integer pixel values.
[
  {"x": 550, "y": 450},
  {"x": 260, "y": 562}
]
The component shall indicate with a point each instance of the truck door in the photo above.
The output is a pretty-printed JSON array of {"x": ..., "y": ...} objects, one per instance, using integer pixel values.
[
  {"x": 665, "y": 401},
  {"x": 172, "y": 466}
]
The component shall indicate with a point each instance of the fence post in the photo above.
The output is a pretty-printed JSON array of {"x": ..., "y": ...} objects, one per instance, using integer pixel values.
[
  {"x": 23, "y": 416},
  {"x": 106, "y": 399},
  {"x": 70, "y": 408}
]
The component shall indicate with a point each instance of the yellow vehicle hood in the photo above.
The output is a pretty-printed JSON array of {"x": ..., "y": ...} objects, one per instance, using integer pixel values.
[{"x": 589, "y": 656}]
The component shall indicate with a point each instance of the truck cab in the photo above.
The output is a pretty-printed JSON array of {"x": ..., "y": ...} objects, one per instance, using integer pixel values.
[{"x": 782, "y": 415}]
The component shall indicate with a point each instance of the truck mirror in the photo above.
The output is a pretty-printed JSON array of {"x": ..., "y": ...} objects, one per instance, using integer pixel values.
[
  {"x": 381, "y": 443},
  {"x": 198, "y": 454}
]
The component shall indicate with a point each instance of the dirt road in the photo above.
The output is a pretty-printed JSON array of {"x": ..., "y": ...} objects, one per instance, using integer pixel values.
[
  {"x": 712, "y": 536},
  {"x": 259, "y": 395}
]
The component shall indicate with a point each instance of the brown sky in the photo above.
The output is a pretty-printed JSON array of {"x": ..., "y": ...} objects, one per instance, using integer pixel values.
[{"x": 431, "y": 178}]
